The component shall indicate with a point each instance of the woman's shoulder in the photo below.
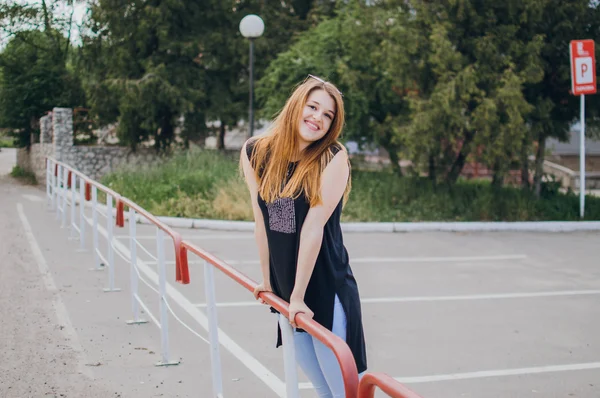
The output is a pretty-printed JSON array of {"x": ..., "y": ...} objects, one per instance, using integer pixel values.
[
  {"x": 337, "y": 147},
  {"x": 333, "y": 150},
  {"x": 249, "y": 146}
]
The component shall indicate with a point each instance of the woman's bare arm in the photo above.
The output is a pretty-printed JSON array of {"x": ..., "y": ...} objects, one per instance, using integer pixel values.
[{"x": 333, "y": 184}]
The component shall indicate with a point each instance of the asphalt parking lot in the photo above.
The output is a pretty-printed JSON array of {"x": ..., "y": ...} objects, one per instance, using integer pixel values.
[
  {"x": 448, "y": 314},
  {"x": 501, "y": 314}
]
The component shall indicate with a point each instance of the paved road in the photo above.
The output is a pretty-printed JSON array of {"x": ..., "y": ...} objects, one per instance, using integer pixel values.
[
  {"x": 8, "y": 159},
  {"x": 450, "y": 314}
]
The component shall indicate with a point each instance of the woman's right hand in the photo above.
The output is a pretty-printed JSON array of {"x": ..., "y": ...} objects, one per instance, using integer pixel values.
[{"x": 262, "y": 287}]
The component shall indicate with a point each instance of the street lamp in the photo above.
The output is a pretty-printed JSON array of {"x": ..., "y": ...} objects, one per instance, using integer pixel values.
[{"x": 252, "y": 27}]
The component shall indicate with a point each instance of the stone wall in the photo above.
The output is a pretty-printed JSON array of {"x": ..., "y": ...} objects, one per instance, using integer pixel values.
[
  {"x": 56, "y": 138},
  {"x": 46, "y": 129},
  {"x": 98, "y": 161},
  {"x": 34, "y": 159}
]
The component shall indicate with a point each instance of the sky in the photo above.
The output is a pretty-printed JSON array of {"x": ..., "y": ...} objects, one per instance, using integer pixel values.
[{"x": 78, "y": 16}]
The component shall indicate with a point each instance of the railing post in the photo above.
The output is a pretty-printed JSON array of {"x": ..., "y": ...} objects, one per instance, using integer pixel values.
[
  {"x": 213, "y": 329},
  {"x": 97, "y": 265},
  {"x": 109, "y": 240},
  {"x": 133, "y": 277},
  {"x": 58, "y": 176},
  {"x": 81, "y": 214},
  {"x": 54, "y": 184},
  {"x": 65, "y": 192},
  {"x": 73, "y": 192},
  {"x": 162, "y": 283},
  {"x": 48, "y": 182},
  {"x": 289, "y": 358}
]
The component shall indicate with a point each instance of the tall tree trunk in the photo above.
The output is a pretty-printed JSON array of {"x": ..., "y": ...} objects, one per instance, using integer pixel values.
[
  {"x": 525, "y": 162},
  {"x": 221, "y": 137},
  {"x": 498, "y": 177},
  {"x": 167, "y": 131},
  {"x": 539, "y": 164},
  {"x": 392, "y": 150},
  {"x": 459, "y": 163},
  {"x": 431, "y": 167}
]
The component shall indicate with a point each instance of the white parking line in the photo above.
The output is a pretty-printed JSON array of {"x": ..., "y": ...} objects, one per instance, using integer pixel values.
[
  {"x": 372, "y": 260},
  {"x": 376, "y": 300},
  {"x": 33, "y": 198},
  {"x": 62, "y": 315},
  {"x": 194, "y": 237},
  {"x": 486, "y": 373},
  {"x": 499, "y": 373}
]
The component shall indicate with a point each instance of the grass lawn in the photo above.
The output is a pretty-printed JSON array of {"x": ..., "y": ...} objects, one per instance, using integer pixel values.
[{"x": 207, "y": 184}]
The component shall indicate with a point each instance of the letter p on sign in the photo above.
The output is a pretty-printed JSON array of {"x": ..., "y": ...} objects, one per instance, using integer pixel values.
[{"x": 583, "y": 67}]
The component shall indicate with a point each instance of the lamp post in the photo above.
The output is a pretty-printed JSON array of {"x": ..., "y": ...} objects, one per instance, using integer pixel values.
[{"x": 251, "y": 27}]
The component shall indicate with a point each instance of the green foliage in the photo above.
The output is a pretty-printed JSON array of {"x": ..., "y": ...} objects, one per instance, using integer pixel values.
[
  {"x": 197, "y": 175},
  {"x": 7, "y": 142},
  {"x": 23, "y": 175},
  {"x": 226, "y": 53},
  {"x": 347, "y": 50},
  {"x": 443, "y": 83},
  {"x": 144, "y": 64},
  {"x": 34, "y": 79},
  {"x": 34, "y": 66},
  {"x": 381, "y": 196},
  {"x": 205, "y": 184},
  {"x": 154, "y": 62},
  {"x": 469, "y": 65}
]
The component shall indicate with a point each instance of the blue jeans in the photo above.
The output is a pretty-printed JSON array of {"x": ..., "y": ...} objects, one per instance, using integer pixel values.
[{"x": 318, "y": 362}]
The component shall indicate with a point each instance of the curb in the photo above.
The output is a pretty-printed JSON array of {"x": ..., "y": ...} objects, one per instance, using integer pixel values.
[
  {"x": 389, "y": 227},
  {"x": 523, "y": 226}
]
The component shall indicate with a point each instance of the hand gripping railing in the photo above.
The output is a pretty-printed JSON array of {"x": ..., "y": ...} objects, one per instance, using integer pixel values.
[{"x": 369, "y": 381}]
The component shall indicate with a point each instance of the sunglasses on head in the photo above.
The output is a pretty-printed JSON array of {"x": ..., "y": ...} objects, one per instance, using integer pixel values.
[{"x": 323, "y": 82}]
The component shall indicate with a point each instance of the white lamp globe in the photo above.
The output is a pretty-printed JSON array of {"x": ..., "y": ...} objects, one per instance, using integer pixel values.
[{"x": 252, "y": 26}]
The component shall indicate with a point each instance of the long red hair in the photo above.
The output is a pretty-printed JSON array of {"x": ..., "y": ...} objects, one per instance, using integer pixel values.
[{"x": 273, "y": 151}]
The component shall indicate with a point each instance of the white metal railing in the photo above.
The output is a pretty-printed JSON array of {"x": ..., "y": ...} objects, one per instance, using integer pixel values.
[{"x": 65, "y": 187}]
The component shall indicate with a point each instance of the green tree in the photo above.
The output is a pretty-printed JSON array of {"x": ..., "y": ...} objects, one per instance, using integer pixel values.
[
  {"x": 145, "y": 68},
  {"x": 154, "y": 62},
  {"x": 468, "y": 67},
  {"x": 347, "y": 50},
  {"x": 227, "y": 56},
  {"x": 34, "y": 79},
  {"x": 37, "y": 74},
  {"x": 554, "y": 108}
]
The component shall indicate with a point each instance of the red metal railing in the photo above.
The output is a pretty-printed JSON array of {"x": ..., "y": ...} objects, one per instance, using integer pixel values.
[
  {"x": 369, "y": 382},
  {"x": 353, "y": 389},
  {"x": 336, "y": 344},
  {"x": 182, "y": 273}
]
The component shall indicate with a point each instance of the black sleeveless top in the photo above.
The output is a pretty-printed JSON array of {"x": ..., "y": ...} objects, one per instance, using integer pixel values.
[{"x": 331, "y": 275}]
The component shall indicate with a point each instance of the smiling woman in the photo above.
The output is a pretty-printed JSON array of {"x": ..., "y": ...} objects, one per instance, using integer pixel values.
[
  {"x": 317, "y": 115},
  {"x": 298, "y": 176}
]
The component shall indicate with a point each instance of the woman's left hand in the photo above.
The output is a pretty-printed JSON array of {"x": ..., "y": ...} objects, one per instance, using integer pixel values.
[{"x": 298, "y": 307}]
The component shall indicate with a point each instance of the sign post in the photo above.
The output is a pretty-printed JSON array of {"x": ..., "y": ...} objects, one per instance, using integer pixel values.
[{"x": 583, "y": 81}]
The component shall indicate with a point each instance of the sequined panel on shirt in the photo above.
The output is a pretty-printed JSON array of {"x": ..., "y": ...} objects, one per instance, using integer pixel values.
[{"x": 282, "y": 217}]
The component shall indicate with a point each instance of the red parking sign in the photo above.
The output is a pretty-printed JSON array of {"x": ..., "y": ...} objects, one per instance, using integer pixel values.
[{"x": 583, "y": 67}]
